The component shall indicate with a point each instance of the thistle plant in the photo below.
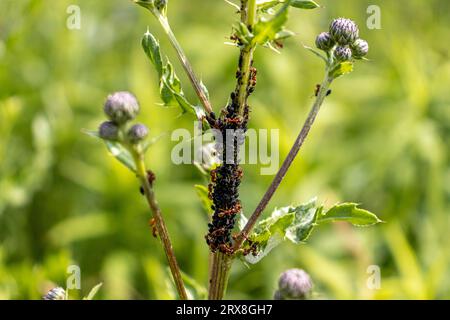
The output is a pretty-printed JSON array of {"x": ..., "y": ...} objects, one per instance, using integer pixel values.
[{"x": 230, "y": 235}]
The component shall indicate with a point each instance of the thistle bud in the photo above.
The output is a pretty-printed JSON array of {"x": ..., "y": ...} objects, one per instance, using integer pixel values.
[
  {"x": 324, "y": 41},
  {"x": 108, "y": 130},
  {"x": 360, "y": 48},
  {"x": 294, "y": 284},
  {"x": 137, "y": 133},
  {"x": 344, "y": 31},
  {"x": 121, "y": 107},
  {"x": 343, "y": 53},
  {"x": 57, "y": 293}
]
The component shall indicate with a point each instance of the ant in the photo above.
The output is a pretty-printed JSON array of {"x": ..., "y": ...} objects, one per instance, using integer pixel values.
[
  {"x": 152, "y": 224},
  {"x": 316, "y": 91}
]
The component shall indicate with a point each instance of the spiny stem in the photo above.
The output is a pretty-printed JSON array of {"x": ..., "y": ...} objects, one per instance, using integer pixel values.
[
  {"x": 286, "y": 164},
  {"x": 160, "y": 224},
  {"x": 186, "y": 64}
]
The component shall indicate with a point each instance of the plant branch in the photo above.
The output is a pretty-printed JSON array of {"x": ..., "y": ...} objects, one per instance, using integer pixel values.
[
  {"x": 221, "y": 262},
  {"x": 160, "y": 224},
  {"x": 248, "y": 16},
  {"x": 219, "y": 272},
  {"x": 286, "y": 164},
  {"x": 185, "y": 62}
]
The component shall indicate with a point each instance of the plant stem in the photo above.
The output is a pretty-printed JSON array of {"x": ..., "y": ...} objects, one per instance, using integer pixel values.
[
  {"x": 160, "y": 224},
  {"x": 248, "y": 16},
  {"x": 219, "y": 273},
  {"x": 185, "y": 62},
  {"x": 286, "y": 164}
]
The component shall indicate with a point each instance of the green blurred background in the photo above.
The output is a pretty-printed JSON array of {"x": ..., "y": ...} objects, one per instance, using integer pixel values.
[{"x": 381, "y": 140}]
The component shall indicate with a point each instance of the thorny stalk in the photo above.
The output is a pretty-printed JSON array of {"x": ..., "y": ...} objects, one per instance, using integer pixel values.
[{"x": 159, "y": 221}]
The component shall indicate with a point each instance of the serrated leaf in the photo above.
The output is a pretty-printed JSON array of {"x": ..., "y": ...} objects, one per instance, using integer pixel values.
[
  {"x": 153, "y": 52},
  {"x": 203, "y": 194},
  {"x": 304, "y": 4},
  {"x": 121, "y": 154},
  {"x": 351, "y": 213},
  {"x": 93, "y": 292},
  {"x": 304, "y": 222},
  {"x": 266, "y": 29},
  {"x": 295, "y": 223},
  {"x": 341, "y": 69}
]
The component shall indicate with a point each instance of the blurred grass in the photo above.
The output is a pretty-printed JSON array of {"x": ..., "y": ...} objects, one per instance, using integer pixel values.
[{"x": 381, "y": 140}]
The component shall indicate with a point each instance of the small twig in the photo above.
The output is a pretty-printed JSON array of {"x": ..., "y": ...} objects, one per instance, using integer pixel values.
[
  {"x": 286, "y": 164},
  {"x": 160, "y": 224},
  {"x": 186, "y": 64}
]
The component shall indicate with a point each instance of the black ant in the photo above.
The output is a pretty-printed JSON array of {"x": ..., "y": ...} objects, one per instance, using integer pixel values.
[{"x": 316, "y": 91}]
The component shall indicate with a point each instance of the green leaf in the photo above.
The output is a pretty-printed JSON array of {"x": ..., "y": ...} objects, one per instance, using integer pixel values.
[
  {"x": 203, "y": 194},
  {"x": 304, "y": 4},
  {"x": 234, "y": 5},
  {"x": 121, "y": 154},
  {"x": 317, "y": 53},
  {"x": 266, "y": 29},
  {"x": 116, "y": 149},
  {"x": 93, "y": 292},
  {"x": 170, "y": 88},
  {"x": 294, "y": 223},
  {"x": 153, "y": 52},
  {"x": 148, "y": 4},
  {"x": 304, "y": 222},
  {"x": 341, "y": 69},
  {"x": 194, "y": 289},
  {"x": 149, "y": 142},
  {"x": 351, "y": 213},
  {"x": 265, "y": 5}
]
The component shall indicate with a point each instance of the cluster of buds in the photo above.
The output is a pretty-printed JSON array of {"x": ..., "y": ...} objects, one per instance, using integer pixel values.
[
  {"x": 343, "y": 37},
  {"x": 294, "y": 284},
  {"x": 121, "y": 108}
]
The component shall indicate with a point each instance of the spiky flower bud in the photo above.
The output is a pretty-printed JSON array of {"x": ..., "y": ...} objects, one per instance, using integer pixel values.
[
  {"x": 343, "y": 53},
  {"x": 294, "y": 284},
  {"x": 57, "y": 293},
  {"x": 137, "y": 133},
  {"x": 324, "y": 41},
  {"x": 121, "y": 107},
  {"x": 344, "y": 31},
  {"x": 360, "y": 48},
  {"x": 109, "y": 130}
]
